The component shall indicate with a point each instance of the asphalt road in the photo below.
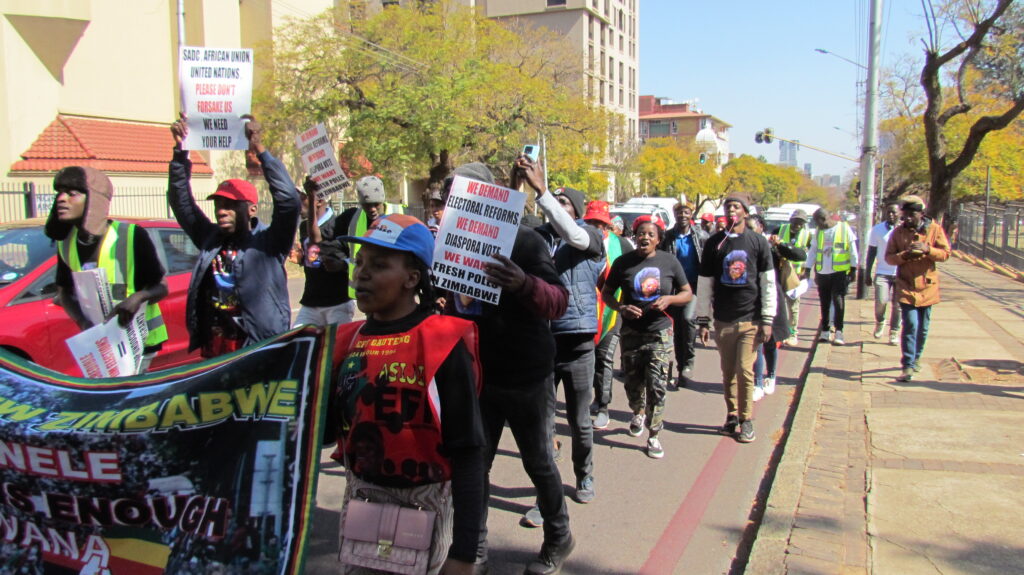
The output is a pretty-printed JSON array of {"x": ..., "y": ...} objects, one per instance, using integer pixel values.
[{"x": 691, "y": 512}]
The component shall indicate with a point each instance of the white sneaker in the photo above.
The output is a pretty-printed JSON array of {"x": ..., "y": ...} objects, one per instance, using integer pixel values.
[
  {"x": 838, "y": 339},
  {"x": 758, "y": 393},
  {"x": 879, "y": 327},
  {"x": 893, "y": 337},
  {"x": 769, "y": 385},
  {"x": 793, "y": 341},
  {"x": 824, "y": 338}
]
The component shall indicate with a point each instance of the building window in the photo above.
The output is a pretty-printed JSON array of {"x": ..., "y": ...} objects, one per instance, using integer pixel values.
[
  {"x": 611, "y": 93},
  {"x": 621, "y": 43},
  {"x": 622, "y": 99},
  {"x": 643, "y": 129},
  {"x": 674, "y": 128},
  {"x": 607, "y": 9},
  {"x": 611, "y": 70},
  {"x": 556, "y": 2},
  {"x": 622, "y": 77}
]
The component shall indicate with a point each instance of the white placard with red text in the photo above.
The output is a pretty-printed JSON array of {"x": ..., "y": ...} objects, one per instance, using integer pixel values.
[
  {"x": 320, "y": 162},
  {"x": 216, "y": 90},
  {"x": 479, "y": 220}
]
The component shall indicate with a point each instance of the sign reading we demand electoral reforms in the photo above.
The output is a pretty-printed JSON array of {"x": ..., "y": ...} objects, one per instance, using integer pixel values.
[
  {"x": 480, "y": 220},
  {"x": 320, "y": 162},
  {"x": 216, "y": 90}
]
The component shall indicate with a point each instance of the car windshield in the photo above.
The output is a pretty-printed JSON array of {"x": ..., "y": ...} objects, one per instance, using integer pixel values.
[{"x": 22, "y": 250}]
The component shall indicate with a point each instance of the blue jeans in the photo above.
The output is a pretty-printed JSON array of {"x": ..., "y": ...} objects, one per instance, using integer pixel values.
[
  {"x": 915, "y": 332},
  {"x": 529, "y": 410},
  {"x": 767, "y": 360},
  {"x": 576, "y": 370}
]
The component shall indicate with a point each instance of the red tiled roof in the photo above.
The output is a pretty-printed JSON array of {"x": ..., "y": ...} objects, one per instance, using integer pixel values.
[{"x": 108, "y": 145}]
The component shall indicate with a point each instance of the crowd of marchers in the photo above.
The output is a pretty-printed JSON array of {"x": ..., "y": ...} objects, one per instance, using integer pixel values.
[{"x": 574, "y": 292}]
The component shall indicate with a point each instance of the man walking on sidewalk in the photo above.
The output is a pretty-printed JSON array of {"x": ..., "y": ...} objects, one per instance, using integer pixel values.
[
  {"x": 914, "y": 248},
  {"x": 834, "y": 253},
  {"x": 737, "y": 276},
  {"x": 885, "y": 273}
]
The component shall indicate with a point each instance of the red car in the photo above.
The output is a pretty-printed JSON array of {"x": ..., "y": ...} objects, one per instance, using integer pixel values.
[{"x": 32, "y": 327}]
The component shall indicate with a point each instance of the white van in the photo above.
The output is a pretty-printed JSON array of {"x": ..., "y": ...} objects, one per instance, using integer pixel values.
[
  {"x": 664, "y": 206},
  {"x": 775, "y": 217}
]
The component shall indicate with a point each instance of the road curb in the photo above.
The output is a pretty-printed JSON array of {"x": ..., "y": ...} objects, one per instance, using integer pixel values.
[{"x": 768, "y": 553}]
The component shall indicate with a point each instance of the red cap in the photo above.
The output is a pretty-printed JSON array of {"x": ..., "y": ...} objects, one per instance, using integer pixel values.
[
  {"x": 722, "y": 219},
  {"x": 656, "y": 220},
  {"x": 598, "y": 210},
  {"x": 235, "y": 189},
  {"x": 707, "y": 217}
]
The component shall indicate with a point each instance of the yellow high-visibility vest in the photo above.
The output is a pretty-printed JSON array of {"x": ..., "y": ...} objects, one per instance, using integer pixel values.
[
  {"x": 840, "y": 249},
  {"x": 117, "y": 257}
]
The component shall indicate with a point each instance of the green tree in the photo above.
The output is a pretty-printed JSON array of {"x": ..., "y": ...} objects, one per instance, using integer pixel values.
[
  {"x": 668, "y": 168},
  {"x": 766, "y": 184},
  {"x": 423, "y": 88}
]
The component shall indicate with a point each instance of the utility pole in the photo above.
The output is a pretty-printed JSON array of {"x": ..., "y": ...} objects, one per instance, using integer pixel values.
[{"x": 869, "y": 150}]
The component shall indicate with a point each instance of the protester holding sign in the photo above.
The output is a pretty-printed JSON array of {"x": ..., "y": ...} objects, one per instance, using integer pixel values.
[
  {"x": 578, "y": 251},
  {"x": 519, "y": 389},
  {"x": 427, "y": 450},
  {"x": 324, "y": 261},
  {"x": 88, "y": 240},
  {"x": 238, "y": 294}
]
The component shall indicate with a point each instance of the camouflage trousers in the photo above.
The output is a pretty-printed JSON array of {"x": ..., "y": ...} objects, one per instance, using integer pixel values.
[{"x": 645, "y": 361}]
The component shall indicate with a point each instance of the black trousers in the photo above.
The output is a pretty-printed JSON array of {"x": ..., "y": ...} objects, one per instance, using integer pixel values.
[{"x": 832, "y": 295}]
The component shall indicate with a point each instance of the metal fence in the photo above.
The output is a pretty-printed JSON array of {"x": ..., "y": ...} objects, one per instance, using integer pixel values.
[
  {"x": 996, "y": 234},
  {"x": 21, "y": 200}
]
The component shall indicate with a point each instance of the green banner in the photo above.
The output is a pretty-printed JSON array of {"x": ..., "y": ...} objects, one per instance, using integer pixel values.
[{"x": 206, "y": 469}]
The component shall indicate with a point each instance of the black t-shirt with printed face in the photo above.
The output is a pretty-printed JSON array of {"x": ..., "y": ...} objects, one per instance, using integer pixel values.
[
  {"x": 735, "y": 262},
  {"x": 644, "y": 280}
]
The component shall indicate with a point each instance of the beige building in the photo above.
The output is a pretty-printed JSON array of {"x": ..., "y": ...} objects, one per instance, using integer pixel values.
[
  {"x": 606, "y": 32},
  {"x": 83, "y": 81}
]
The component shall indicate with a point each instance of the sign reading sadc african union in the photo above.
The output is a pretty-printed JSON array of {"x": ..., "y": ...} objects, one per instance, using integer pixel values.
[{"x": 205, "y": 469}]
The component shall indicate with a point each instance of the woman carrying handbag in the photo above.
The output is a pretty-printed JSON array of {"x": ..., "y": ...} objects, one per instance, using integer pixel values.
[{"x": 405, "y": 390}]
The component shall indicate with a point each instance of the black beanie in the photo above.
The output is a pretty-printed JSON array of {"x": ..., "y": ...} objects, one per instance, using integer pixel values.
[{"x": 576, "y": 198}]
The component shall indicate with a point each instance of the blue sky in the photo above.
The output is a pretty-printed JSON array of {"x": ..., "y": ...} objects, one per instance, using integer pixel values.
[{"x": 752, "y": 64}]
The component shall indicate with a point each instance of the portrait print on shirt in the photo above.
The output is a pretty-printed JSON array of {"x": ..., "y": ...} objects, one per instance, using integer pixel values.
[
  {"x": 647, "y": 284},
  {"x": 734, "y": 272}
]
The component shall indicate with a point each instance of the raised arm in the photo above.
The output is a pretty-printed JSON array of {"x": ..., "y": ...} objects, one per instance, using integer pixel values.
[{"x": 179, "y": 189}]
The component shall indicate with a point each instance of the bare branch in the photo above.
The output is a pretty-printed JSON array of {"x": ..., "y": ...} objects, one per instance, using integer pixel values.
[{"x": 979, "y": 130}]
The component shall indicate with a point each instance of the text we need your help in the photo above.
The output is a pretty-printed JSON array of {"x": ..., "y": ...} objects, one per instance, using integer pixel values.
[{"x": 480, "y": 220}]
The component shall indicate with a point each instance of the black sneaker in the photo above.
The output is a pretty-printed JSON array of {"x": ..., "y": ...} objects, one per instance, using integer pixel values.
[
  {"x": 730, "y": 426},
  {"x": 746, "y": 432},
  {"x": 551, "y": 557},
  {"x": 585, "y": 490}
]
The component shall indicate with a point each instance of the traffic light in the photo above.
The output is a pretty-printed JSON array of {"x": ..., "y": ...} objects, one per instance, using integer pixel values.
[
  {"x": 759, "y": 137},
  {"x": 703, "y": 158},
  {"x": 767, "y": 135}
]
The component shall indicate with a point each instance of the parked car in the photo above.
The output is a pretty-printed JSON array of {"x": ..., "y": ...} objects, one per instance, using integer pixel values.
[{"x": 32, "y": 327}]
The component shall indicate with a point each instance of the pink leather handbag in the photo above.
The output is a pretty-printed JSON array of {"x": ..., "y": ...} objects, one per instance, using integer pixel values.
[{"x": 387, "y": 537}]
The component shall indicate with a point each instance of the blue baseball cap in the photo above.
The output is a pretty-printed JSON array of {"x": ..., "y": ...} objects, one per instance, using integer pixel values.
[{"x": 399, "y": 232}]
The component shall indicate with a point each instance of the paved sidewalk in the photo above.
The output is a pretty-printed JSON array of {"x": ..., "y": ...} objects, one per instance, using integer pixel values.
[{"x": 905, "y": 478}]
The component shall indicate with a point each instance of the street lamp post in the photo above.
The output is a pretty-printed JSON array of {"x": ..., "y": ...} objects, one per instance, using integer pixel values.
[
  {"x": 857, "y": 64},
  {"x": 869, "y": 150}
]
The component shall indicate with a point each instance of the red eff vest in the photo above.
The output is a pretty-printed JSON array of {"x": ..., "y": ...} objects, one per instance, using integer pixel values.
[{"x": 388, "y": 399}]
